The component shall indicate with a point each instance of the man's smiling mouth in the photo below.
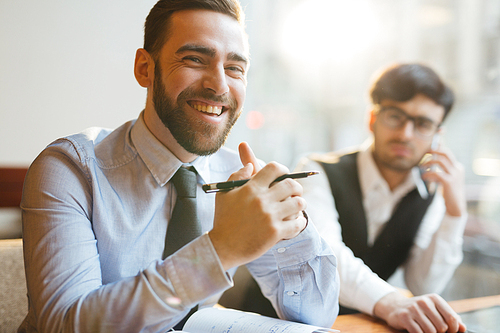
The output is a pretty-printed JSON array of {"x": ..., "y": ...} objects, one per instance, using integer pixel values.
[{"x": 205, "y": 108}]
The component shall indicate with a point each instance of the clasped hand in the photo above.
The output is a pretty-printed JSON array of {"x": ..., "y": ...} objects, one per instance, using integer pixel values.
[
  {"x": 251, "y": 219},
  {"x": 451, "y": 175},
  {"x": 420, "y": 314}
]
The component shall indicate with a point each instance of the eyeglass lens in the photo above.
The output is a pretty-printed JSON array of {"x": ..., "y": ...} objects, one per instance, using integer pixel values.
[{"x": 397, "y": 118}]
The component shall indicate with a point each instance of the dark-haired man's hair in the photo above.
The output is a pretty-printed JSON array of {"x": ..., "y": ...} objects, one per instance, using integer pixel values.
[
  {"x": 401, "y": 82},
  {"x": 157, "y": 23}
]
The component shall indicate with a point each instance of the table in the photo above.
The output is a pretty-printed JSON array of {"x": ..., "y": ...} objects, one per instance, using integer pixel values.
[{"x": 361, "y": 323}]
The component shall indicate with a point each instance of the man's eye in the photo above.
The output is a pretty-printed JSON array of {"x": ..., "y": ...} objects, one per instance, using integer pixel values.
[
  {"x": 235, "y": 69},
  {"x": 193, "y": 59},
  {"x": 424, "y": 123},
  {"x": 395, "y": 115}
]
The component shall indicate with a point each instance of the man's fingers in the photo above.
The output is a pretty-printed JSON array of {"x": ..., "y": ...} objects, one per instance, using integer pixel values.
[
  {"x": 268, "y": 174},
  {"x": 247, "y": 156},
  {"x": 452, "y": 319},
  {"x": 243, "y": 173},
  {"x": 431, "y": 317},
  {"x": 437, "y": 313},
  {"x": 285, "y": 189},
  {"x": 291, "y": 208},
  {"x": 445, "y": 152},
  {"x": 290, "y": 228}
]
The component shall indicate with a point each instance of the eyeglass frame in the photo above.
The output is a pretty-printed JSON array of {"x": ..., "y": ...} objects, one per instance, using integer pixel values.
[{"x": 378, "y": 109}]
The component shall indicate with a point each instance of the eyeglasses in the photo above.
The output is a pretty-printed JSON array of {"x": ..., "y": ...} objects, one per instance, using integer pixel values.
[{"x": 396, "y": 118}]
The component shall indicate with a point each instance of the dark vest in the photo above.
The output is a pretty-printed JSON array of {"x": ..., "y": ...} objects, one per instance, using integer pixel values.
[{"x": 393, "y": 244}]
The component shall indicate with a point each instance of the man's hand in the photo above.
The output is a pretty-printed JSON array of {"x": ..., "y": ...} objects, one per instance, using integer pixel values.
[
  {"x": 247, "y": 156},
  {"x": 420, "y": 314},
  {"x": 451, "y": 175},
  {"x": 250, "y": 219}
]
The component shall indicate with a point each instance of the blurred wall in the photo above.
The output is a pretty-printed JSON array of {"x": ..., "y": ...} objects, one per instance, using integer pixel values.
[{"x": 68, "y": 65}]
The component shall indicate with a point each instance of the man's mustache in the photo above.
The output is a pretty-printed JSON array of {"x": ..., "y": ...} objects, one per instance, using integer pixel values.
[
  {"x": 407, "y": 144},
  {"x": 223, "y": 99}
]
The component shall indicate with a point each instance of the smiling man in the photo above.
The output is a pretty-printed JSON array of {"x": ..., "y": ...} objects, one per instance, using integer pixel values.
[
  {"x": 378, "y": 208},
  {"x": 118, "y": 234}
]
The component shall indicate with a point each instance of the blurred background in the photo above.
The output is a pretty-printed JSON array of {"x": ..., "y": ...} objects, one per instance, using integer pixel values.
[{"x": 66, "y": 65}]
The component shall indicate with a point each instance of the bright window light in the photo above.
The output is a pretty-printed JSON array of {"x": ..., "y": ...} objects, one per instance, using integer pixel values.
[
  {"x": 486, "y": 167},
  {"x": 329, "y": 30}
]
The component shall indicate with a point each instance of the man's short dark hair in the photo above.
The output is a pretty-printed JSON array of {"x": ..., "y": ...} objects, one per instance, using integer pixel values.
[
  {"x": 401, "y": 82},
  {"x": 157, "y": 22}
]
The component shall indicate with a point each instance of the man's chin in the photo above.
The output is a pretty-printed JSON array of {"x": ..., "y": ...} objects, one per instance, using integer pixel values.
[
  {"x": 402, "y": 165},
  {"x": 203, "y": 146}
]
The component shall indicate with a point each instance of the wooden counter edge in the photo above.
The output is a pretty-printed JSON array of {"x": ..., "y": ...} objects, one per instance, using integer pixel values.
[
  {"x": 362, "y": 323},
  {"x": 471, "y": 304}
]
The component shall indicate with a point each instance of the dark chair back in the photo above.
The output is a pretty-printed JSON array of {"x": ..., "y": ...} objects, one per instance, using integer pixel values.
[{"x": 11, "y": 186}]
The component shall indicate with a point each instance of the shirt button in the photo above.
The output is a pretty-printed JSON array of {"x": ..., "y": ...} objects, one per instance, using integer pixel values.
[
  {"x": 281, "y": 250},
  {"x": 290, "y": 293}
]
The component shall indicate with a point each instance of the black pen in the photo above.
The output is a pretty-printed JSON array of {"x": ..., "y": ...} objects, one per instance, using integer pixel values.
[{"x": 229, "y": 185}]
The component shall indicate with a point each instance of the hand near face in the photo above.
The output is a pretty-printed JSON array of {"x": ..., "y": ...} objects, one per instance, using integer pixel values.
[
  {"x": 451, "y": 175},
  {"x": 250, "y": 219},
  {"x": 247, "y": 156},
  {"x": 421, "y": 314}
]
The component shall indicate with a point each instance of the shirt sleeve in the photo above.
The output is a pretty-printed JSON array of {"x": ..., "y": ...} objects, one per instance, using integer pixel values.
[
  {"x": 437, "y": 251},
  {"x": 360, "y": 289},
  {"x": 300, "y": 278},
  {"x": 63, "y": 265}
]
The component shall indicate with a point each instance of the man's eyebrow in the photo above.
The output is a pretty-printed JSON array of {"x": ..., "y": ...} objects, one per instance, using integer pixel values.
[
  {"x": 197, "y": 48},
  {"x": 233, "y": 56},
  {"x": 416, "y": 117}
]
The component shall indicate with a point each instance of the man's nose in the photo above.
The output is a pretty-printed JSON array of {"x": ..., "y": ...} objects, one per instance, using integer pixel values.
[
  {"x": 408, "y": 129},
  {"x": 215, "y": 80}
]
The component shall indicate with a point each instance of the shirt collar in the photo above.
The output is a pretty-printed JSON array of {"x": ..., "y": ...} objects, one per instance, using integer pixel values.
[
  {"x": 201, "y": 164},
  {"x": 160, "y": 161},
  {"x": 421, "y": 187},
  {"x": 371, "y": 179}
]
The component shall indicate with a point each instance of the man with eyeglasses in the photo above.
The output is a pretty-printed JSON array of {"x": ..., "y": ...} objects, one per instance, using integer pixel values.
[{"x": 379, "y": 209}]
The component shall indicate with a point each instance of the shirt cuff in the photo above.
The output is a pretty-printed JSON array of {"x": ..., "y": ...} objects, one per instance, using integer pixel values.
[
  {"x": 378, "y": 289},
  {"x": 306, "y": 246},
  {"x": 196, "y": 272},
  {"x": 452, "y": 227}
]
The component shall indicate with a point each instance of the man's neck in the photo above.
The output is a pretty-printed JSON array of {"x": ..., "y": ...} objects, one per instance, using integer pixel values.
[
  {"x": 159, "y": 130},
  {"x": 393, "y": 177}
]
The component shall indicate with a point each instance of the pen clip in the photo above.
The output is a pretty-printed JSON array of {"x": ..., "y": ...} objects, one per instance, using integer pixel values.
[{"x": 210, "y": 188}]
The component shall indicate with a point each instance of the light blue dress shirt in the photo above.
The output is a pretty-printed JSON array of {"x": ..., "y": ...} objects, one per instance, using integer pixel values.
[{"x": 96, "y": 206}]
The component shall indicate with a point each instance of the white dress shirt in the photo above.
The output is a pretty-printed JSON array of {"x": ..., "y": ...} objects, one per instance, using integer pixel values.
[
  {"x": 437, "y": 250},
  {"x": 96, "y": 207}
]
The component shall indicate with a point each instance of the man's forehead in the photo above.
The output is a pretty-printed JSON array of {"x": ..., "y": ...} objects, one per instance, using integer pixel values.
[
  {"x": 205, "y": 30},
  {"x": 419, "y": 105}
]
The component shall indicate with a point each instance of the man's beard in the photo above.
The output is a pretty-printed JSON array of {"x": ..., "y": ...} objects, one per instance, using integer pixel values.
[
  {"x": 398, "y": 164},
  {"x": 194, "y": 135}
]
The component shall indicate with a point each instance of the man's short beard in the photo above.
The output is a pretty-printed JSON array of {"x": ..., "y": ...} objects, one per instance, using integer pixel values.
[
  {"x": 195, "y": 136},
  {"x": 398, "y": 167},
  {"x": 394, "y": 163}
]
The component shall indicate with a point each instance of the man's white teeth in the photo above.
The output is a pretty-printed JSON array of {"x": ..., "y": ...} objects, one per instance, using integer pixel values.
[{"x": 208, "y": 109}]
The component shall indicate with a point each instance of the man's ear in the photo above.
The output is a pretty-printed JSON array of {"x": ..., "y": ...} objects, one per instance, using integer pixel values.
[
  {"x": 372, "y": 117},
  {"x": 144, "y": 68}
]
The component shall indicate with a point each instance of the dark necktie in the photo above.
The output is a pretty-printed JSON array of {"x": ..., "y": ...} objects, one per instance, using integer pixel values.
[{"x": 184, "y": 225}]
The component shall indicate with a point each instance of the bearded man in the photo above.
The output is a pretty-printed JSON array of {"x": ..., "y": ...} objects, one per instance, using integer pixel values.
[{"x": 118, "y": 233}]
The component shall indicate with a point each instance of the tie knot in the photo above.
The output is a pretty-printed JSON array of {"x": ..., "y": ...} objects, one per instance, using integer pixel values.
[{"x": 185, "y": 182}]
